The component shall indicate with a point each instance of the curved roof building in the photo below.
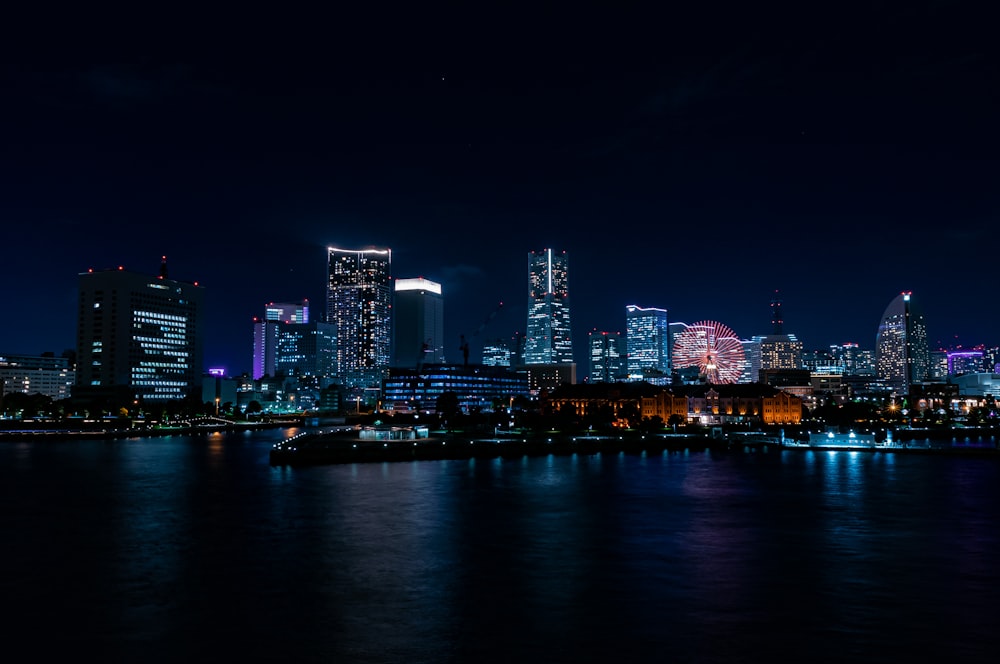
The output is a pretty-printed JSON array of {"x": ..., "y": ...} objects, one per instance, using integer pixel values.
[{"x": 901, "y": 353}]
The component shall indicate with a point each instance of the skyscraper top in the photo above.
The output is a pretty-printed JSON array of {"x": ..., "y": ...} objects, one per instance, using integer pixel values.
[
  {"x": 370, "y": 250},
  {"x": 418, "y": 283}
]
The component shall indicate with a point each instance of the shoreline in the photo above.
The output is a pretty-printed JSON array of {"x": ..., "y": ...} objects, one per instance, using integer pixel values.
[
  {"x": 324, "y": 449},
  {"x": 46, "y": 434}
]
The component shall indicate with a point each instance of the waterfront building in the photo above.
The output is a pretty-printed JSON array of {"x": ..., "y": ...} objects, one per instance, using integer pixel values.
[
  {"x": 902, "y": 357},
  {"x": 308, "y": 352},
  {"x": 139, "y": 337},
  {"x": 265, "y": 333},
  {"x": 544, "y": 378},
  {"x": 977, "y": 384},
  {"x": 606, "y": 357},
  {"x": 548, "y": 339},
  {"x": 648, "y": 338},
  {"x": 46, "y": 374},
  {"x": 965, "y": 362},
  {"x": 705, "y": 404},
  {"x": 418, "y": 323},
  {"x": 220, "y": 391},
  {"x": 359, "y": 304},
  {"x": 475, "y": 387}
]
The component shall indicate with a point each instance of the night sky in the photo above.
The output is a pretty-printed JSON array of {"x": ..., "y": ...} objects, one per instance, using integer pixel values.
[{"x": 694, "y": 160}]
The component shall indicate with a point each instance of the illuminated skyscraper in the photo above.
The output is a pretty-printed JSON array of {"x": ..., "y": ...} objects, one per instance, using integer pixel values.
[
  {"x": 265, "y": 333},
  {"x": 418, "y": 323},
  {"x": 139, "y": 337},
  {"x": 648, "y": 340},
  {"x": 607, "y": 357},
  {"x": 548, "y": 339},
  {"x": 901, "y": 354},
  {"x": 359, "y": 303}
]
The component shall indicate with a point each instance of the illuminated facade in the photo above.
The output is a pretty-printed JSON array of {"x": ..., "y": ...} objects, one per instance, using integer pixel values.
[
  {"x": 965, "y": 362},
  {"x": 607, "y": 361},
  {"x": 307, "y": 351},
  {"x": 901, "y": 354},
  {"x": 497, "y": 353},
  {"x": 476, "y": 387},
  {"x": 265, "y": 333},
  {"x": 648, "y": 339},
  {"x": 46, "y": 375},
  {"x": 548, "y": 339},
  {"x": 705, "y": 404},
  {"x": 138, "y": 336},
  {"x": 359, "y": 304},
  {"x": 780, "y": 351},
  {"x": 418, "y": 323}
]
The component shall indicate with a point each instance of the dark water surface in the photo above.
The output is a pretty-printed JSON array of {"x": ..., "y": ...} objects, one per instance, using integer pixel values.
[{"x": 195, "y": 548}]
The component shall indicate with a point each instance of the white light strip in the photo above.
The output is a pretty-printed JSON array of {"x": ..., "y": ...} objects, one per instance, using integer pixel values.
[{"x": 418, "y": 284}]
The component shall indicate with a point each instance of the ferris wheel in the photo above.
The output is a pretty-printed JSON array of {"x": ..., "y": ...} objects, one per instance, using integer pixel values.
[{"x": 713, "y": 348}]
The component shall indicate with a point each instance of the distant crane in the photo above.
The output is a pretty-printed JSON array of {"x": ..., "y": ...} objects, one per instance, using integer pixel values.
[{"x": 464, "y": 344}]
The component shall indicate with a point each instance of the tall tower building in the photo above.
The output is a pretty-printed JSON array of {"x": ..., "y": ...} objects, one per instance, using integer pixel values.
[
  {"x": 418, "y": 323},
  {"x": 359, "y": 303},
  {"x": 778, "y": 350},
  {"x": 607, "y": 357},
  {"x": 548, "y": 339},
  {"x": 139, "y": 337},
  {"x": 901, "y": 352},
  {"x": 648, "y": 339},
  {"x": 265, "y": 333}
]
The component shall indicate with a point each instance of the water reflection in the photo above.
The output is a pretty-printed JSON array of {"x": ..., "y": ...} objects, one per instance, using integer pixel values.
[{"x": 188, "y": 548}]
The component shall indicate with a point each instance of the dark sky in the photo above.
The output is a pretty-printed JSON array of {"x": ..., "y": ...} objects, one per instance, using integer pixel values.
[{"x": 694, "y": 160}]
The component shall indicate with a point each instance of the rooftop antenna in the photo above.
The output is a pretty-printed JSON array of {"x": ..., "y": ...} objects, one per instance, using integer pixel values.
[
  {"x": 776, "y": 321},
  {"x": 163, "y": 267}
]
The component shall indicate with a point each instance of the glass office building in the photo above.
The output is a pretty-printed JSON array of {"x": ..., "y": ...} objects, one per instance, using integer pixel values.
[
  {"x": 359, "y": 304},
  {"x": 548, "y": 339}
]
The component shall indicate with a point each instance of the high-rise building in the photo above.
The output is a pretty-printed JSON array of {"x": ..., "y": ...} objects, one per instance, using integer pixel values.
[
  {"x": 901, "y": 353},
  {"x": 359, "y": 304},
  {"x": 265, "y": 333},
  {"x": 418, "y": 323},
  {"x": 607, "y": 357},
  {"x": 307, "y": 351},
  {"x": 138, "y": 337},
  {"x": 548, "y": 339},
  {"x": 779, "y": 350},
  {"x": 648, "y": 339}
]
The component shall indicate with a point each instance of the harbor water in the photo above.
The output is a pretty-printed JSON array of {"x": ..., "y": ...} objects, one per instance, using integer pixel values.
[{"x": 193, "y": 548}]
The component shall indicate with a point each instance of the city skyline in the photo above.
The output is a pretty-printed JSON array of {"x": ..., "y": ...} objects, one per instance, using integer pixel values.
[{"x": 839, "y": 161}]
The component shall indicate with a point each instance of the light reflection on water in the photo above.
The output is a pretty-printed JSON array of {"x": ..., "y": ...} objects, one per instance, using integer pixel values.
[{"x": 195, "y": 547}]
